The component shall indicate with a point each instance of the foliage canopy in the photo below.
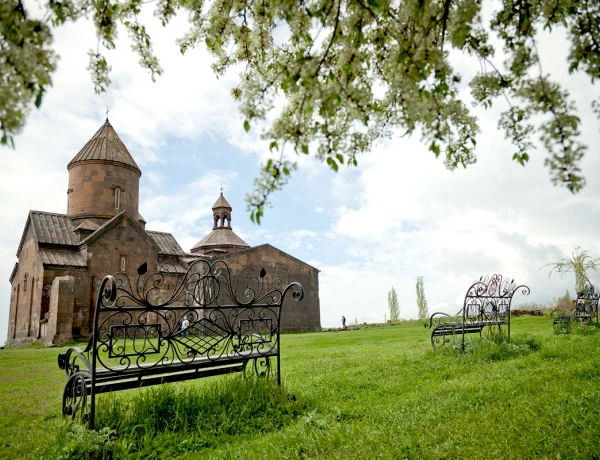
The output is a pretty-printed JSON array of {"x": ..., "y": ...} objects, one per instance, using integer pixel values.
[{"x": 350, "y": 72}]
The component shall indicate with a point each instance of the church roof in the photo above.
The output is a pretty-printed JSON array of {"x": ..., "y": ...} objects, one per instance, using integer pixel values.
[
  {"x": 62, "y": 258},
  {"x": 220, "y": 237},
  {"x": 167, "y": 243},
  {"x": 88, "y": 225},
  {"x": 221, "y": 202},
  {"x": 50, "y": 228},
  {"x": 105, "y": 145}
]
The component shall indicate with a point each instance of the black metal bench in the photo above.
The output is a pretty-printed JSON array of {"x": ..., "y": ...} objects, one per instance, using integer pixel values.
[
  {"x": 586, "y": 310},
  {"x": 233, "y": 325},
  {"x": 487, "y": 304}
]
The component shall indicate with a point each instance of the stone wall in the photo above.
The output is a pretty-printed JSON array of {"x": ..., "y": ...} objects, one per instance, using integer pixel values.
[
  {"x": 58, "y": 328},
  {"x": 296, "y": 316},
  {"x": 92, "y": 191},
  {"x": 26, "y": 295}
]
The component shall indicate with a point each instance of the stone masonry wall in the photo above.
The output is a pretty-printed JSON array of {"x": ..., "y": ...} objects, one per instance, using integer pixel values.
[
  {"x": 92, "y": 191},
  {"x": 58, "y": 329},
  {"x": 296, "y": 316},
  {"x": 24, "y": 315}
]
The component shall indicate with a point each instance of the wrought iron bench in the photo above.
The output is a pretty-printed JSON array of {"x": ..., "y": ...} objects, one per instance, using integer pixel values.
[
  {"x": 586, "y": 310},
  {"x": 487, "y": 304},
  {"x": 140, "y": 336}
]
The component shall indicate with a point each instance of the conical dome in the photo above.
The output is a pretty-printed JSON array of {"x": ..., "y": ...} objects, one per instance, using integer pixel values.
[
  {"x": 104, "y": 180},
  {"x": 221, "y": 203},
  {"x": 105, "y": 146}
]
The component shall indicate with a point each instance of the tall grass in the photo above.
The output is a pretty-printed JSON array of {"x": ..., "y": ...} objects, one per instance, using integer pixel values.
[
  {"x": 168, "y": 419},
  {"x": 496, "y": 348}
]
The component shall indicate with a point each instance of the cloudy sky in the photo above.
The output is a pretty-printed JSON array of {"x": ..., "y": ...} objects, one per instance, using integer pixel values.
[{"x": 399, "y": 215}]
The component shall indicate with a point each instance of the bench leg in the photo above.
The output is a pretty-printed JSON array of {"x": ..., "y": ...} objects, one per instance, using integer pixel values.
[
  {"x": 75, "y": 398},
  {"x": 258, "y": 367},
  {"x": 562, "y": 325},
  {"x": 448, "y": 335}
]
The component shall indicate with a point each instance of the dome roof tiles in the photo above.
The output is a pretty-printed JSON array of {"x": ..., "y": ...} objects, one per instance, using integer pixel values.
[
  {"x": 219, "y": 238},
  {"x": 105, "y": 145}
]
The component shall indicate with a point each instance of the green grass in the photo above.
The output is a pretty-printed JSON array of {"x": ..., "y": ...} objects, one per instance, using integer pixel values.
[{"x": 375, "y": 392}]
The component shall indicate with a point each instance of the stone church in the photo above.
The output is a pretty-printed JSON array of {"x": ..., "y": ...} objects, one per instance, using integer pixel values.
[{"x": 62, "y": 258}]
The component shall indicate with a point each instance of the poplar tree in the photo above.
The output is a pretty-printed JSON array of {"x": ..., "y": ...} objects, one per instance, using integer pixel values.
[
  {"x": 421, "y": 300},
  {"x": 393, "y": 305}
]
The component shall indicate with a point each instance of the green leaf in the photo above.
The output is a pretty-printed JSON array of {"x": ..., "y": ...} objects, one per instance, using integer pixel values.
[
  {"x": 273, "y": 145},
  {"x": 331, "y": 162},
  {"x": 373, "y": 3},
  {"x": 286, "y": 171},
  {"x": 340, "y": 158},
  {"x": 247, "y": 125},
  {"x": 305, "y": 149},
  {"x": 435, "y": 148},
  {"x": 38, "y": 97}
]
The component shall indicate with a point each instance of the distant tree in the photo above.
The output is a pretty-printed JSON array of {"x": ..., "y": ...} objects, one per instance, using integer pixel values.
[
  {"x": 393, "y": 305},
  {"x": 578, "y": 263},
  {"x": 421, "y": 300},
  {"x": 355, "y": 321},
  {"x": 565, "y": 302}
]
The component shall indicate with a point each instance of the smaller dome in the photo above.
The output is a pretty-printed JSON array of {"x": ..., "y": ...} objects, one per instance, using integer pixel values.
[
  {"x": 221, "y": 203},
  {"x": 222, "y": 239}
]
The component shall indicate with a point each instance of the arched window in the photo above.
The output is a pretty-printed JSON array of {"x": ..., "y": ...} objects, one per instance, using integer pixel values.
[{"x": 117, "y": 198}]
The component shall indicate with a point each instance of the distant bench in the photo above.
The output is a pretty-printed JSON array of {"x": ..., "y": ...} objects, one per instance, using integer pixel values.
[
  {"x": 140, "y": 339},
  {"x": 586, "y": 309},
  {"x": 487, "y": 304}
]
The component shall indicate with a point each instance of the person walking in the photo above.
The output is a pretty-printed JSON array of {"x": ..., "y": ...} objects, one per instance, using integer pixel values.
[
  {"x": 343, "y": 322},
  {"x": 184, "y": 326}
]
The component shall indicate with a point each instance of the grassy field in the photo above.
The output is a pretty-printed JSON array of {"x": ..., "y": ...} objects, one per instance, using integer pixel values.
[{"x": 378, "y": 392}]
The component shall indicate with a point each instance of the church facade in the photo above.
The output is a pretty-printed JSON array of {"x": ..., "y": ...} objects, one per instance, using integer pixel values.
[{"x": 62, "y": 258}]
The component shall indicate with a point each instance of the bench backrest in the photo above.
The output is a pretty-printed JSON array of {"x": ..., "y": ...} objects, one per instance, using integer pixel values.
[
  {"x": 586, "y": 305},
  {"x": 489, "y": 299},
  {"x": 170, "y": 317}
]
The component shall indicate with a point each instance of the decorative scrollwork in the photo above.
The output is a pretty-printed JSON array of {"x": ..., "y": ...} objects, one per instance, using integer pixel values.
[
  {"x": 72, "y": 360},
  {"x": 203, "y": 318},
  {"x": 258, "y": 367},
  {"x": 75, "y": 397},
  {"x": 209, "y": 314}
]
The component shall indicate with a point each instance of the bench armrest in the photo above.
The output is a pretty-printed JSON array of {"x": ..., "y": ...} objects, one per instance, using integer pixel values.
[
  {"x": 73, "y": 360},
  {"x": 439, "y": 318}
]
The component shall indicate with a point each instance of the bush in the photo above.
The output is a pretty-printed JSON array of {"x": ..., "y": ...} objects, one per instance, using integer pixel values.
[
  {"x": 497, "y": 348},
  {"x": 533, "y": 309},
  {"x": 74, "y": 441}
]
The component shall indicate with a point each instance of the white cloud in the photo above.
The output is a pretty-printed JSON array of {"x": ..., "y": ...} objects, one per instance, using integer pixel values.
[{"x": 318, "y": 209}]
